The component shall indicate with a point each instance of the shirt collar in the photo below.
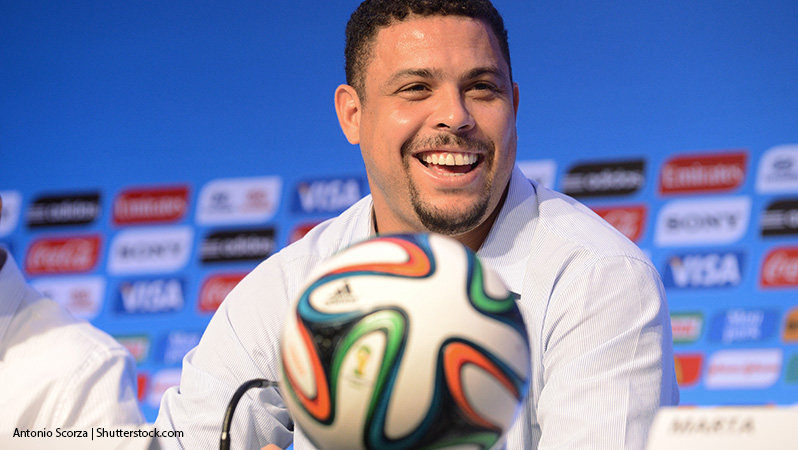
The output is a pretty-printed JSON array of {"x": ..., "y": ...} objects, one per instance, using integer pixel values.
[
  {"x": 508, "y": 244},
  {"x": 12, "y": 291}
]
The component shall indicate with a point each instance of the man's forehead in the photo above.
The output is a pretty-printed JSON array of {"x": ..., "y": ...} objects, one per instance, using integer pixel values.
[{"x": 425, "y": 38}]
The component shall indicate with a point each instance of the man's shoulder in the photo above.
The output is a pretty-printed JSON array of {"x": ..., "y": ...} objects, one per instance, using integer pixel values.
[{"x": 573, "y": 223}]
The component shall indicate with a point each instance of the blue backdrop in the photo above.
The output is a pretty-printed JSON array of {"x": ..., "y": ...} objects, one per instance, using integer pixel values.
[{"x": 167, "y": 146}]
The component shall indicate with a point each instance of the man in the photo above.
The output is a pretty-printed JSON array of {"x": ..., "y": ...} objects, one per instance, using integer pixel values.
[
  {"x": 55, "y": 370},
  {"x": 431, "y": 102}
]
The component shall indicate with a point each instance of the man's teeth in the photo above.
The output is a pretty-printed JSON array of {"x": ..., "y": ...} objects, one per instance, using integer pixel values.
[{"x": 449, "y": 159}]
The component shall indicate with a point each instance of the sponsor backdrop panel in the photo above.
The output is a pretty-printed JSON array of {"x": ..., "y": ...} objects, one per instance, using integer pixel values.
[{"x": 151, "y": 154}]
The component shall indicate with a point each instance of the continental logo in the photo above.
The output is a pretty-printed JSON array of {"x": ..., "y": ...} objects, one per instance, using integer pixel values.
[
  {"x": 605, "y": 179},
  {"x": 215, "y": 289},
  {"x": 159, "y": 383},
  {"x": 686, "y": 327},
  {"x": 743, "y": 369},
  {"x": 239, "y": 245},
  {"x": 791, "y": 326},
  {"x": 688, "y": 368},
  {"x": 691, "y": 174},
  {"x": 151, "y": 205},
  {"x": 780, "y": 218},
  {"x": 54, "y": 210},
  {"x": 63, "y": 255},
  {"x": 780, "y": 268},
  {"x": 629, "y": 220},
  {"x": 328, "y": 196}
]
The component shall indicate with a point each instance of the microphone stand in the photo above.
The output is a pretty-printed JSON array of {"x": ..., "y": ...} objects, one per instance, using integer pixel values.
[{"x": 224, "y": 441}]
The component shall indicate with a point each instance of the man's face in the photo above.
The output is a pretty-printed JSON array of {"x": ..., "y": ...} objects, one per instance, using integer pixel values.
[{"x": 436, "y": 125}]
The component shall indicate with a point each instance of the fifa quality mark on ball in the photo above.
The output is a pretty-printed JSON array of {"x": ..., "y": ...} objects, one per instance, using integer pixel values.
[{"x": 404, "y": 341}]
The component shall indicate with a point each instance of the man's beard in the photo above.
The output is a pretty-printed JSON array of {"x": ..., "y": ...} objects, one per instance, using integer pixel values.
[{"x": 436, "y": 219}]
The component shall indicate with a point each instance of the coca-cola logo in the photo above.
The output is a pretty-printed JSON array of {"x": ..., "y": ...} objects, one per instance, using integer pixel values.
[
  {"x": 63, "y": 255},
  {"x": 151, "y": 205},
  {"x": 215, "y": 288},
  {"x": 780, "y": 268},
  {"x": 629, "y": 220},
  {"x": 703, "y": 173}
]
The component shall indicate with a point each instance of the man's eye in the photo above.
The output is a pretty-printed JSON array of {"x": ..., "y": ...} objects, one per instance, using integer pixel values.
[
  {"x": 414, "y": 88},
  {"x": 484, "y": 86}
]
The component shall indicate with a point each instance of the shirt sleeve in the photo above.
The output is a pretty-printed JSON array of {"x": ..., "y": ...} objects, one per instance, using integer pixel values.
[
  {"x": 607, "y": 357},
  {"x": 240, "y": 343},
  {"x": 105, "y": 385}
]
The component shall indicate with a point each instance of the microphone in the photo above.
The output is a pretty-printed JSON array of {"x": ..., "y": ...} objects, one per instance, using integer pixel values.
[{"x": 224, "y": 441}]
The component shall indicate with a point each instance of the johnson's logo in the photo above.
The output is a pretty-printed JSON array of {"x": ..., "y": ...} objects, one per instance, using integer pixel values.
[
  {"x": 82, "y": 296},
  {"x": 215, "y": 289},
  {"x": 703, "y": 270},
  {"x": 63, "y": 255},
  {"x": 150, "y": 250},
  {"x": 780, "y": 268},
  {"x": 688, "y": 368},
  {"x": 239, "y": 200},
  {"x": 328, "y": 196},
  {"x": 778, "y": 170},
  {"x": 686, "y": 327},
  {"x": 150, "y": 296},
  {"x": 151, "y": 205},
  {"x": 743, "y": 325},
  {"x": 780, "y": 218},
  {"x": 691, "y": 174},
  {"x": 53, "y": 210},
  {"x": 719, "y": 220},
  {"x": 629, "y": 220},
  {"x": 744, "y": 369}
]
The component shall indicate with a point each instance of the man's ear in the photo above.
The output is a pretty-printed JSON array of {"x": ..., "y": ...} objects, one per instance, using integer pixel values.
[
  {"x": 347, "y": 106},
  {"x": 515, "y": 98}
]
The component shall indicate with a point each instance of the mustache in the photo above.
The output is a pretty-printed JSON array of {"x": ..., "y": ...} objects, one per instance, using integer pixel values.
[{"x": 446, "y": 140}]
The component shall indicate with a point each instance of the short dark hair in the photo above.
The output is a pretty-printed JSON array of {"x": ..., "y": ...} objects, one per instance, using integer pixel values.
[{"x": 372, "y": 15}]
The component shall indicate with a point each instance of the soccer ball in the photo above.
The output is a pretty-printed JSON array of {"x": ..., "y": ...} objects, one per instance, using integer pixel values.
[{"x": 404, "y": 341}]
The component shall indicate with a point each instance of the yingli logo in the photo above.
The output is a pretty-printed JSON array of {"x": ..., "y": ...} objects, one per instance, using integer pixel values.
[
  {"x": 780, "y": 268},
  {"x": 703, "y": 173},
  {"x": 151, "y": 205},
  {"x": 63, "y": 255},
  {"x": 629, "y": 220}
]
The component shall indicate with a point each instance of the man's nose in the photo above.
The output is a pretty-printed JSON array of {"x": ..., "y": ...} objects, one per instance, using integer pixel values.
[{"x": 452, "y": 113}]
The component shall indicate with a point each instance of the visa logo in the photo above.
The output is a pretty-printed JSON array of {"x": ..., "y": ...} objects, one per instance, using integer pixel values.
[
  {"x": 150, "y": 296},
  {"x": 703, "y": 270},
  {"x": 328, "y": 196}
]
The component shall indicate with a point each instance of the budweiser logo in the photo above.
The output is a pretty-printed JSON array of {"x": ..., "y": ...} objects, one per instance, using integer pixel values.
[
  {"x": 215, "y": 289},
  {"x": 151, "y": 205},
  {"x": 780, "y": 268},
  {"x": 63, "y": 255},
  {"x": 703, "y": 173},
  {"x": 628, "y": 220}
]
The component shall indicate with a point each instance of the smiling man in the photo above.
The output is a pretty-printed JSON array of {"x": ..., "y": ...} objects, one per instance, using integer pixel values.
[{"x": 431, "y": 102}]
